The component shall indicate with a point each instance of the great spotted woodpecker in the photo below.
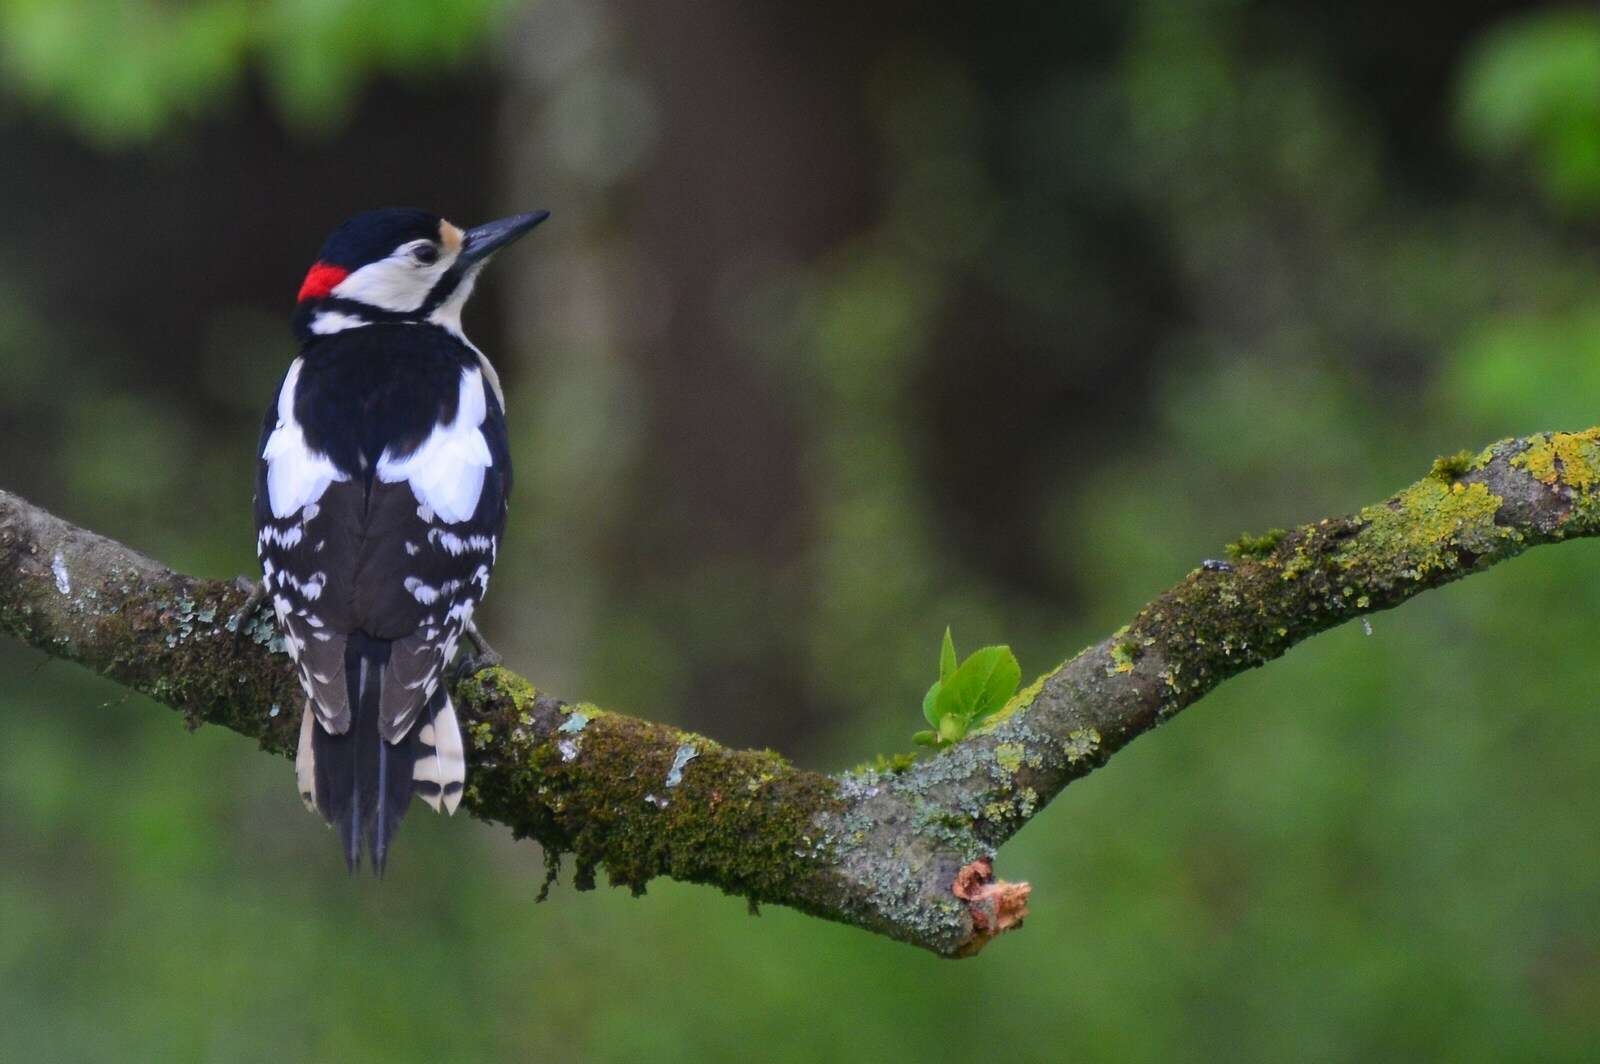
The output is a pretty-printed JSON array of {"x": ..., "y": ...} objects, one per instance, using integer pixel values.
[{"x": 381, "y": 492}]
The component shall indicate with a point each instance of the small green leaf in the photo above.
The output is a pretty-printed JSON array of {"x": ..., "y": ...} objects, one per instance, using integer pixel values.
[
  {"x": 983, "y": 683},
  {"x": 947, "y": 656},
  {"x": 967, "y": 692}
]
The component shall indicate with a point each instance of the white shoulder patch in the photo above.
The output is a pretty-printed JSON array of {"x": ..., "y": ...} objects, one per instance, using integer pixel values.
[
  {"x": 446, "y": 471},
  {"x": 327, "y": 322},
  {"x": 296, "y": 474}
]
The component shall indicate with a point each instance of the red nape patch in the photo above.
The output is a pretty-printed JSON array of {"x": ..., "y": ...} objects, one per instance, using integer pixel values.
[{"x": 320, "y": 280}]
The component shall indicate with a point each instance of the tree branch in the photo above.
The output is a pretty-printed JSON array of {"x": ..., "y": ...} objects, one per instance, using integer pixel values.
[{"x": 905, "y": 854}]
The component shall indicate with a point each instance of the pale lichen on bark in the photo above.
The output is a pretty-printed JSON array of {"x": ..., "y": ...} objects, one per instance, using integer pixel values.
[{"x": 905, "y": 853}]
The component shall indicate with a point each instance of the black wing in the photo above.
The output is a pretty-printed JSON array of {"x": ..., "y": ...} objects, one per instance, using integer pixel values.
[{"x": 308, "y": 530}]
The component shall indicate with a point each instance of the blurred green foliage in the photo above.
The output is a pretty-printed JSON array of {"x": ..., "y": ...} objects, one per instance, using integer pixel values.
[
  {"x": 1533, "y": 85},
  {"x": 1113, "y": 303},
  {"x": 123, "y": 71}
]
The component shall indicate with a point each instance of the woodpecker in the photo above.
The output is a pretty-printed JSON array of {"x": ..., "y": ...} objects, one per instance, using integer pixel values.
[{"x": 381, "y": 485}]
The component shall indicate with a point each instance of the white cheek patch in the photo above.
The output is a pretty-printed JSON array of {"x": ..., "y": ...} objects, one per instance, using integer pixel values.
[
  {"x": 446, "y": 472},
  {"x": 296, "y": 474},
  {"x": 389, "y": 284},
  {"x": 396, "y": 283}
]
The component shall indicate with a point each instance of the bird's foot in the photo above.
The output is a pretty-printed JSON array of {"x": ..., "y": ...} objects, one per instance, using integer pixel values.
[
  {"x": 258, "y": 595},
  {"x": 483, "y": 657}
]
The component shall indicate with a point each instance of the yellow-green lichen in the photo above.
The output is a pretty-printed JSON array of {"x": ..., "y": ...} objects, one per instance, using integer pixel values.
[
  {"x": 1019, "y": 806},
  {"x": 1431, "y": 526},
  {"x": 1082, "y": 743},
  {"x": 1298, "y": 564},
  {"x": 496, "y": 682},
  {"x": 997, "y": 810},
  {"x": 1570, "y": 458},
  {"x": 1123, "y": 651}
]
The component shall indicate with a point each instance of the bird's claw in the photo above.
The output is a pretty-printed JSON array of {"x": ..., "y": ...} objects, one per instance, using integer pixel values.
[
  {"x": 485, "y": 656},
  {"x": 258, "y": 595}
]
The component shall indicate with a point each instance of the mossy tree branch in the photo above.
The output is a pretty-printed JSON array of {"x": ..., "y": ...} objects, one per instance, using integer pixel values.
[{"x": 906, "y": 854}]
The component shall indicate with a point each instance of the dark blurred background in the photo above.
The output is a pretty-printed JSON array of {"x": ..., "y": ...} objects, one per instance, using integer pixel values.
[{"x": 853, "y": 320}]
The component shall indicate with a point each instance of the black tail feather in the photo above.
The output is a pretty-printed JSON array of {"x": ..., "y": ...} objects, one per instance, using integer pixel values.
[
  {"x": 363, "y": 783},
  {"x": 392, "y": 796}
]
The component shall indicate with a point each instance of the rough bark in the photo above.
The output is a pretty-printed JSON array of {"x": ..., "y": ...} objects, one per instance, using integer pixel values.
[{"x": 907, "y": 854}]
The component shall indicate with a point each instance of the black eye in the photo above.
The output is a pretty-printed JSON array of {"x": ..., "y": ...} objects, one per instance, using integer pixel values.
[{"x": 426, "y": 254}]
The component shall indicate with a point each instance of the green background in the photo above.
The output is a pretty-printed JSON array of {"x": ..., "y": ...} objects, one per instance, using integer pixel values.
[{"x": 852, "y": 321}]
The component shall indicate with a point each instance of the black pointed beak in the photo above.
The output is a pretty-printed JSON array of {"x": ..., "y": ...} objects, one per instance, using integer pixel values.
[{"x": 488, "y": 238}]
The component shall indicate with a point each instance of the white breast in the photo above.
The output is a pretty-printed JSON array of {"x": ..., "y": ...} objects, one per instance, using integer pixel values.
[{"x": 446, "y": 471}]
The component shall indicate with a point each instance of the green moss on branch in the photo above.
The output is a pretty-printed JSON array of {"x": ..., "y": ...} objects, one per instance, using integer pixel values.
[
  {"x": 642, "y": 799},
  {"x": 881, "y": 848},
  {"x": 1470, "y": 511}
]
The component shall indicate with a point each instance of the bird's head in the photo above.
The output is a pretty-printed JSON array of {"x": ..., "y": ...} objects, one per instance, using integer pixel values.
[{"x": 398, "y": 265}]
